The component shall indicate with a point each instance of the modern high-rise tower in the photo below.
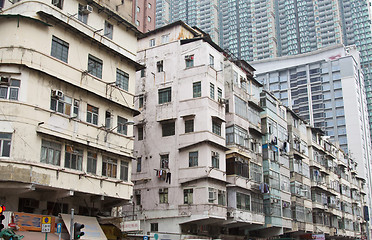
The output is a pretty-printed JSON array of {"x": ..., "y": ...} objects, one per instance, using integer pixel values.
[{"x": 201, "y": 13}]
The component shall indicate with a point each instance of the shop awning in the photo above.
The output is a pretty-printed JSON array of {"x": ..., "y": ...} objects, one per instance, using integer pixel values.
[{"x": 92, "y": 230}]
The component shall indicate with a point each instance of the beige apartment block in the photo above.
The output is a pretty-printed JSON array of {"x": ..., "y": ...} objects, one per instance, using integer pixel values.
[{"x": 67, "y": 102}]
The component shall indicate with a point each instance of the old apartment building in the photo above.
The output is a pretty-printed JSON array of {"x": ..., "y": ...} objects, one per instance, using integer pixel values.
[
  {"x": 66, "y": 100},
  {"x": 217, "y": 157}
]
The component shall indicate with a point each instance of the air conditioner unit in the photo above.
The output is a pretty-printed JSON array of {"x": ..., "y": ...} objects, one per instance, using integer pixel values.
[
  {"x": 222, "y": 101},
  {"x": 5, "y": 81},
  {"x": 87, "y": 9},
  {"x": 57, "y": 94}
]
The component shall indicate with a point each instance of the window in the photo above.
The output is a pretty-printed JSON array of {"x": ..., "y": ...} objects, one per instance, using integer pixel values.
[
  {"x": 215, "y": 160},
  {"x": 148, "y": 18},
  {"x": 138, "y": 196},
  {"x": 163, "y": 195},
  {"x": 221, "y": 197},
  {"x": 168, "y": 129},
  {"x": 165, "y": 95},
  {"x": 109, "y": 29},
  {"x": 122, "y": 79},
  {"x": 92, "y": 162},
  {"x": 57, "y": 3},
  {"x": 211, "y": 60},
  {"x": 216, "y": 127},
  {"x": 196, "y": 89},
  {"x": 50, "y": 152},
  {"x": 152, "y": 42},
  {"x": 109, "y": 167},
  {"x": 124, "y": 171},
  {"x": 241, "y": 107},
  {"x": 95, "y": 66},
  {"x": 211, "y": 90},
  {"x": 138, "y": 9},
  {"x": 76, "y": 108},
  {"x": 139, "y": 164},
  {"x": 108, "y": 120},
  {"x": 189, "y": 125},
  {"x": 164, "y": 161},
  {"x": 154, "y": 227},
  {"x": 159, "y": 65},
  {"x": 73, "y": 157},
  {"x": 149, "y": 5},
  {"x": 122, "y": 125},
  {"x": 140, "y": 133},
  {"x": 189, "y": 60},
  {"x": 143, "y": 72},
  {"x": 140, "y": 101},
  {"x": 219, "y": 93},
  {"x": 60, "y": 103},
  {"x": 92, "y": 114},
  {"x": 193, "y": 159},
  {"x": 165, "y": 38},
  {"x": 137, "y": 22},
  {"x": 82, "y": 14},
  {"x": 243, "y": 201},
  {"x": 187, "y": 196},
  {"x": 59, "y": 49},
  {"x": 212, "y": 195},
  {"x": 10, "y": 89}
]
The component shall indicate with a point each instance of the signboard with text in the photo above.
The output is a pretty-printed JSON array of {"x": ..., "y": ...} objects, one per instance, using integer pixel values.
[
  {"x": 32, "y": 222},
  {"x": 130, "y": 226}
]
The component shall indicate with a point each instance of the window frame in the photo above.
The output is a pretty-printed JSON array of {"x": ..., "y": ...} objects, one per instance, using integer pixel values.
[
  {"x": 122, "y": 79},
  {"x": 93, "y": 115},
  {"x": 51, "y": 148},
  {"x": 164, "y": 161},
  {"x": 189, "y": 61},
  {"x": 124, "y": 170},
  {"x": 109, "y": 30},
  {"x": 164, "y": 95},
  {"x": 163, "y": 195},
  {"x": 188, "y": 196},
  {"x": 95, "y": 66},
  {"x": 92, "y": 162},
  {"x": 211, "y": 90},
  {"x": 122, "y": 126},
  {"x": 193, "y": 158},
  {"x": 196, "y": 89},
  {"x": 76, "y": 153},
  {"x": 109, "y": 167},
  {"x": 211, "y": 60},
  {"x": 11, "y": 89},
  {"x": 59, "y": 49},
  {"x": 82, "y": 17},
  {"x": 215, "y": 160},
  {"x": 189, "y": 125},
  {"x": 217, "y": 127},
  {"x": 168, "y": 128},
  {"x": 140, "y": 135}
]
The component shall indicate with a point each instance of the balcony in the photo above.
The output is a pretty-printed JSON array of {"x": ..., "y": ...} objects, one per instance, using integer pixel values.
[{"x": 206, "y": 213}]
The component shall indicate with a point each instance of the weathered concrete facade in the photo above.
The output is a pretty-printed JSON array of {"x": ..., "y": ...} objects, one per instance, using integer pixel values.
[{"x": 67, "y": 94}]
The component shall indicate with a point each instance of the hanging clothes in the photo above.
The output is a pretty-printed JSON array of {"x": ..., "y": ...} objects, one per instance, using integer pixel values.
[{"x": 168, "y": 178}]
